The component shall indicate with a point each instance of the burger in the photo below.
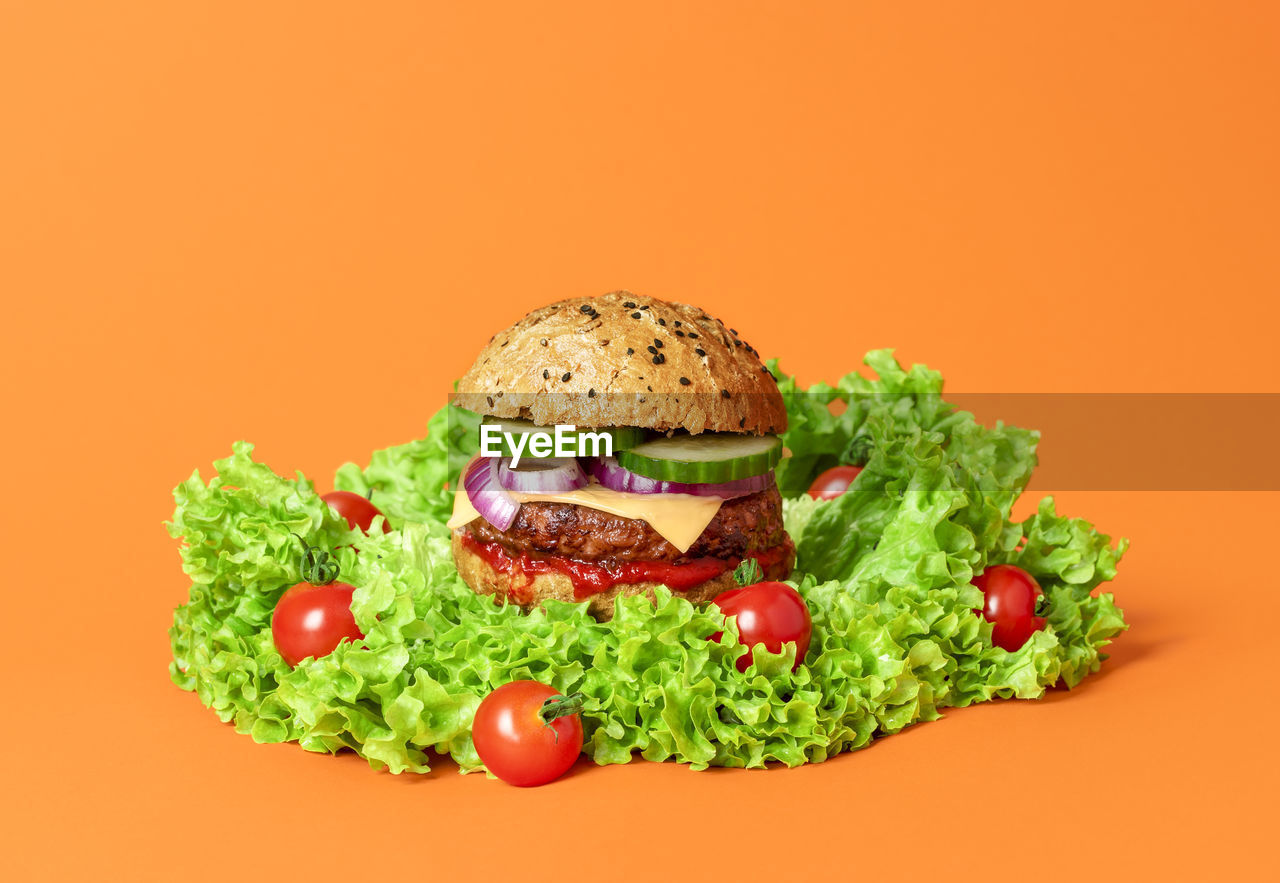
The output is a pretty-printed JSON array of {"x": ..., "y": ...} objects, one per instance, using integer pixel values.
[{"x": 626, "y": 443}]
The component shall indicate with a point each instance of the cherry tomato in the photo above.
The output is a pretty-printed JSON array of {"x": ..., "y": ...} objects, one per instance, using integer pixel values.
[
  {"x": 768, "y": 613},
  {"x": 357, "y": 510},
  {"x": 311, "y": 620},
  {"x": 1011, "y": 595},
  {"x": 834, "y": 482},
  {"x": 519, "y": 737}
]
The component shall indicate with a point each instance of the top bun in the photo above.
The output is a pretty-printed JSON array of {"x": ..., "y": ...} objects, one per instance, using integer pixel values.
[{"x": 622, "y": 359}]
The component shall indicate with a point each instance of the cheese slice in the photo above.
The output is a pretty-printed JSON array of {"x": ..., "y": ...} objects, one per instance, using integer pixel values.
[{"x": 679, "y": 518}]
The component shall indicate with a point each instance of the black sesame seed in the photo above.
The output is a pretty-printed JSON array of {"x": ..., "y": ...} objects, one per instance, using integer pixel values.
[
  {"x": 546, "y": 375},
  {"x": 489, "y": 399},
  {"x": 645, "y": 307},
  {"x": 591, "y": 393},
  {"x": 733, "y": 331},
  {"x": 653, "y": 350},
  {"x": 662, "y": 322},
  {"x": 724, "y": 393},
  {"x": 565, "y": 377},
  {"x": 586, "y": 308},
  {"x": 737, "y": 342},
  {"x": 657, "y": 343},
  {"x": 764, "y": 369},
  {"x": 694, "y": 336},
  {"x": 685, "y": 381},
  {"x": 700, "y": 351},
  {"x": 650, "y": 388},
  {"x": 679, "y": 334},
  {"x": 630, "y": 351},
  {"x": 635, "y": 315},
  {"x": 630, "y": 305},
  {"x": 659, "y": 359},
  {"x": 677, "y": 323}
]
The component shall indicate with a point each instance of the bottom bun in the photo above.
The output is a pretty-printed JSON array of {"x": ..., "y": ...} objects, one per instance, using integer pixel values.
[{"x": 532, "y": 591}]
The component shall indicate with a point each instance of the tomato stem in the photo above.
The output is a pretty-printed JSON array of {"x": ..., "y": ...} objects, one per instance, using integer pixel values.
[
  {"x": 748, "y": 572},
  {"x": 317, "y": 565},
  {"x": 561, "y": 706}
]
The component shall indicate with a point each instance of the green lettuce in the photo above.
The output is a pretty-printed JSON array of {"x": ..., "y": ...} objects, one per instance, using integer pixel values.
[
  {"x": 885, "y": 570},
  {"x": 409, "y": 482}
]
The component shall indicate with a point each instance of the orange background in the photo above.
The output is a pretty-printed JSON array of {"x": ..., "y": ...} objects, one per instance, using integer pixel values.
[{"x": 296, "y": 223}]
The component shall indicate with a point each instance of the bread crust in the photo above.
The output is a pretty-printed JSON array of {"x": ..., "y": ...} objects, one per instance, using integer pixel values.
[
  {"x": 623, "y": 359},
  {"x": 532, "y": 591}
]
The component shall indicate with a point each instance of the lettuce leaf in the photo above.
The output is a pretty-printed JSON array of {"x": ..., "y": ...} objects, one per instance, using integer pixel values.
[
  {"x": 408, "y": 482},
  {"x": 885, "y": 570}
]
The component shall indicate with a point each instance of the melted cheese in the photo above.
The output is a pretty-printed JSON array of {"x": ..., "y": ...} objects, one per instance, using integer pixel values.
[{"x": 679, "y": 518}]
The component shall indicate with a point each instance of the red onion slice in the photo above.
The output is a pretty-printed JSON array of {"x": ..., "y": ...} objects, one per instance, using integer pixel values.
[
  {"x": 549, "y": 475},
  {"x": 486, "y": 493},
  {"x": 611, "y": 475}
]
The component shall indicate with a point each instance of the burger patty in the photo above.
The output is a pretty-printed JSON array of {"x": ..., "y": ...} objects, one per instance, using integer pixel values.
[{"x": 745, "y": 524}]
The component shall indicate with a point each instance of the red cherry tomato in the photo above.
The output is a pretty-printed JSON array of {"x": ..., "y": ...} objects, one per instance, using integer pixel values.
[
  {"x": 1010, "y": 606},
  {"x": 357, "y": 510},
  {"x": 834, "y": 482},
  {"x": 770, "y": 614},
  {"x": 518, "y": 737},
  {"x": 311, "y": 620}
]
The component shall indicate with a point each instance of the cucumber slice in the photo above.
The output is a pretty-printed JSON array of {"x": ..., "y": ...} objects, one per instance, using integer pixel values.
[
  {"x": 709, "y": 458},
  {"x": 623, "y": 437}
]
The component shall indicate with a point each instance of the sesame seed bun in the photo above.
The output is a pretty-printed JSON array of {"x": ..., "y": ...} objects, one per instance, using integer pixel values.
[{"x": 623, "y": 359}]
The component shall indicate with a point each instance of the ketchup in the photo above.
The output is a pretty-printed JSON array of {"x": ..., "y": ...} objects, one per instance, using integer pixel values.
[{"x": 589, "y": 579}]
